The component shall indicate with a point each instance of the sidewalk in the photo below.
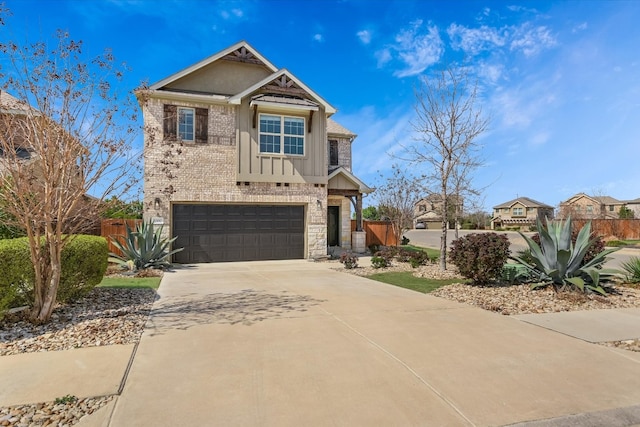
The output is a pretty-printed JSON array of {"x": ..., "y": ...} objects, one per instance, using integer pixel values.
[{"x": 43, "y": 377}]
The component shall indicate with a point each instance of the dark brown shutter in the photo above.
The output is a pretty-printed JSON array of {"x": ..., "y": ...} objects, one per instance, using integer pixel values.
[
  {"x": 333, "y": 152},
  {"x": 170, "y": 122},
  {"x": 201, "y": 125}
]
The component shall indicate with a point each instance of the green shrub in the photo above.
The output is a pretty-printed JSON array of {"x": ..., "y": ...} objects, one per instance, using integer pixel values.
[
  {"x": 480, "y": 257},
  {"x": 84, "y": 262},
  {"x": 16, "y": 279},
  {"x": 632, "y": 268},
  {"x": 378, "y": 261},
  {"x": 405, "y": 241},
  {"x": 514, "y": 274}
]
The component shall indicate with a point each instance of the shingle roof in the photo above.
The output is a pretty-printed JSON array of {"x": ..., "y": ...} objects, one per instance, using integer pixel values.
[
  {"x": 525, "y": 201},
  {"x": 607, "y": 200},
  {"x": 334, "y": 128},
  {"x": 11, "y": 104}
]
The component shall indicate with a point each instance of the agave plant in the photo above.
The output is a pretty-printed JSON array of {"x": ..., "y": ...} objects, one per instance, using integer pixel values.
[
  {"x": 557, "y": 261},
  {"x": 144, "y": 248}
]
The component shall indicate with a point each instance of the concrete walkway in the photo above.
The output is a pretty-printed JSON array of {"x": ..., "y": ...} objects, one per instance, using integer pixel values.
[{"x": 296, "y": 343}]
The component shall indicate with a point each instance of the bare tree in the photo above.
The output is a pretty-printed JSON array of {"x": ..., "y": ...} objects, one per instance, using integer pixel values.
[
  {"x": 396, "y": 198},
  {"x": 448, "y": 122},
  {"x": 65, "y": 140}
]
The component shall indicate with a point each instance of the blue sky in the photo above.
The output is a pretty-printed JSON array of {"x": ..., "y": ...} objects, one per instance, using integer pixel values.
[{"x": 560, "y": 80}]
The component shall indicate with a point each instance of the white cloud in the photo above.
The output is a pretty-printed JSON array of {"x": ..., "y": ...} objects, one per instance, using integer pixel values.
[
  {"x": 318, "y": 37},
  {"x": 540, "y": 138},
  {"x": 491, "y": 73},
  {"x": 580, "y": 27},
  {"x": 532, "y": 40},
  {"x": 364, "y": 36},
  {"x": 474, "y": 40},
  {"x": 383, "y": 56},
  {"x": 417, "y": 48},
  {"x": 230, "y": 14}
]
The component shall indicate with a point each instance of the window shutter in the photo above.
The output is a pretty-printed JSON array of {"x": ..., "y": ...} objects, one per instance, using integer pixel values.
[
  {"x": 170, "y": 122},
  {"x": 333, "y": 153},
  {"x": 202, "y": 115}
]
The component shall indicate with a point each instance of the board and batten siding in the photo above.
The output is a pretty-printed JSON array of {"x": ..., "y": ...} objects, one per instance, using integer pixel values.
[{"x": 254, "y": 166}]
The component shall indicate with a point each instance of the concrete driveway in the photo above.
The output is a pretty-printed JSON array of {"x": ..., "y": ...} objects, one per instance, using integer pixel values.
[{"x": 297, "y": 343}]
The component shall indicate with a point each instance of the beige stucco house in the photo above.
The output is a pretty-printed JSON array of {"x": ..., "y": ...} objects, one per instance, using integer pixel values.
[
  {"x": 584, "y": 206},
  {"x": 520, "y": 212},
  {"x": 428, "y": 211},
  {"x": 243, "y": 162}
]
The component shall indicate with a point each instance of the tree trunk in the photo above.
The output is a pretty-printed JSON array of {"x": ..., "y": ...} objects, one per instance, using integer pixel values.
[
  {"x": 48, "y": 269},
  {"x": 443, "y": 237}
]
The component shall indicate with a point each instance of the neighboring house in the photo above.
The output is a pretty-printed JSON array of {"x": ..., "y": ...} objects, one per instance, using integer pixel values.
[
  {"x": 634, "y": 205},
  {"x": 428, "y": 211},
  {"x": 242, "y": 162},
  {"x": 520, "y": 212},
  {"x": 12, "y": 112},
  {"x": 583, "y": 206}
]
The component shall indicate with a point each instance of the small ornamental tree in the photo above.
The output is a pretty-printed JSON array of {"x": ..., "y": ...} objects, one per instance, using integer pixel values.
[
  {"x": 480, "y": 257},
  {"x": 65, "y": 135}
]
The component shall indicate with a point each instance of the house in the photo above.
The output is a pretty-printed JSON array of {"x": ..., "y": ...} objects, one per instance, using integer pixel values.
[
  {"x": 427, "y": 211},
  {"x": 243, "y": 162},
  {"x": 26, "y": 138},
  {"x": 12, "y": 114},
  {"x": 634, "y": 206},
  {"x": 520, "y": 212},
  {"x": 584, "y": 206}
]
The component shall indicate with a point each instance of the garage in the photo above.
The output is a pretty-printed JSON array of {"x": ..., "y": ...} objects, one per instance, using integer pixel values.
[{"x": 223, "y": 233}]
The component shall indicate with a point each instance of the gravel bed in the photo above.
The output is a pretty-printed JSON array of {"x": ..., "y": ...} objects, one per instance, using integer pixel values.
[
  {"x": 51, "y": 413},
  {"x": 104, "y": 317}
]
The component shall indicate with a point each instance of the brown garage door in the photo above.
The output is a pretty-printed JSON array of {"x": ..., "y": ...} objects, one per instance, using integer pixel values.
[{"x": 220, "y": 233}]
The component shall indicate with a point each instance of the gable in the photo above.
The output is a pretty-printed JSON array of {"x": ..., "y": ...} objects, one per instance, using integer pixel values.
[
  {"x": 226, "y": 72},
  {"x": 283, "y": 84},
  {"x": 221, "y": 78},
  {"x": 342, "y": 179}
]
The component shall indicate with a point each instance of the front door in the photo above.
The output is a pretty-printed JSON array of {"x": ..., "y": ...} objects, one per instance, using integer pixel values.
[{"x": 333, "y": 226}]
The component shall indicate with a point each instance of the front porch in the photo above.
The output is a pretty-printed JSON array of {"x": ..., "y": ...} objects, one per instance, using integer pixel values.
[{"x": 345, "y": 190}]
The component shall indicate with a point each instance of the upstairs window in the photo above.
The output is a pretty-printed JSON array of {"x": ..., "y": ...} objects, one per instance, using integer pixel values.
[
  {"x": 185, "y": 123},
  {"x": 589, "y": 208},
  {"x": 333, "y": 153},
  {"x": 281, "y": 134},
  {"x": 517, "y": 212}
]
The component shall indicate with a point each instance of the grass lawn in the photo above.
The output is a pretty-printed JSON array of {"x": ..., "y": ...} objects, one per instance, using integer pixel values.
[
  {"x": 406, "y": 279},
  {"x": 130, "y": 282}
]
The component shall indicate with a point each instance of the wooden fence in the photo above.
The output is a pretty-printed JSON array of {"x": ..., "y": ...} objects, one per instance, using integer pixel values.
[
  {"x": 622, "y": 229},
  {"x": 116, "y": 227},
  {"x": 378, "y": 232}
]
